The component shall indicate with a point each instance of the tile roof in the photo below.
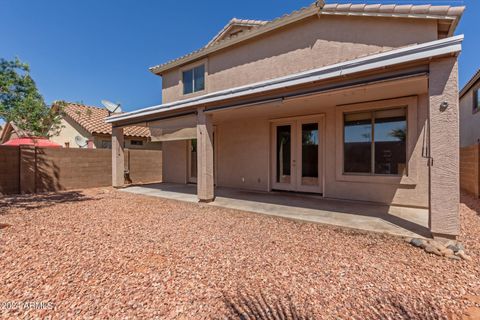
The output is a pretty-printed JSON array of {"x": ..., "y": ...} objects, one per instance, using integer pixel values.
[
  {"x": 404, "y": 9},
  {"x": 424, "y": 11},
  {"x": 92, "y": 119}
]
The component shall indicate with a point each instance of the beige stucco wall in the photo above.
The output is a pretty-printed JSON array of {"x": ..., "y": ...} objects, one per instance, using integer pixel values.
[
  {"x": 469, "y": 121},
  {"x": 175, "y": 164},
  {"x": 69, "y": 130},
  {"x": 243, "y": 161},
  {"x": 243, "y": 140},
  {"x": 309, "y": 44}
]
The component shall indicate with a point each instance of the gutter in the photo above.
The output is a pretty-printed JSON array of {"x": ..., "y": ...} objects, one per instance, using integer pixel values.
[{"x": 429, "y": 50}]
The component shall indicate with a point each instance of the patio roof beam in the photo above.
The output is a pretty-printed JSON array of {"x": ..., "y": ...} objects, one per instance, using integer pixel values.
[{"x": 324, "y": 89}]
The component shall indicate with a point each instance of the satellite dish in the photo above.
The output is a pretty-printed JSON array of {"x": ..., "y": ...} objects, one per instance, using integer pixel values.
[
  {"x": 81, "y": 141},
  {"x": 112, "y": 107}
]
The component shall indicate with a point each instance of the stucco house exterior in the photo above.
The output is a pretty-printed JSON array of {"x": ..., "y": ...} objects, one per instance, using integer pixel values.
[
  {"x": 469, "y": 112},
  {"x": 88, "y": 122},
  {"x": 356, "y": 102}
]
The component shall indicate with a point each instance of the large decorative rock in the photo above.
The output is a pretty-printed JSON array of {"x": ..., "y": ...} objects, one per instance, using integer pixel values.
[
  {"x": 431, "y": 249},
  {"x": 456, "y": 247},
  {"x": 463, "y": 255},
  {"x": 420, "y": 243}
]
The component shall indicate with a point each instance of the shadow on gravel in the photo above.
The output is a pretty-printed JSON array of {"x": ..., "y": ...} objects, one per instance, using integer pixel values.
[
  {"x": 245, "y": 306},
  {"x": 258, "y": 307},
  {"x": 38, "y": 201},
  {"x": 471, "y": 202}
]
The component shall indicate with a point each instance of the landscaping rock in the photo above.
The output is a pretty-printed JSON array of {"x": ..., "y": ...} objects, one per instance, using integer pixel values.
[
  {"x": 463, "y": 255},
  {"x": 447, "y": 252},
  {"x": 456, "y": 247},
  {"x": 420, "y": 243},
  {"x": 453, "y": 257},
  {"x": 111, "y": 255},
  {"x": 431, "y": 249},
  {"x": 436, "y": 245}
]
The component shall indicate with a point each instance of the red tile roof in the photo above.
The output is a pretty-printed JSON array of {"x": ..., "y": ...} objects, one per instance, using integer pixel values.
[{"x": 92, "y": 119}]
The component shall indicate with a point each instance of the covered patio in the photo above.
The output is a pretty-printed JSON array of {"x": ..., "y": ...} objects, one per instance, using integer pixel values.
[
  {"x": 303, "y": 133},
  {"x": 399, "y": 221}
]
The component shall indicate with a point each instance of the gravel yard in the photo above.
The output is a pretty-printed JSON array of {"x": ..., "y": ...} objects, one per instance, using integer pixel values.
[{"x": 101, "y": 253}]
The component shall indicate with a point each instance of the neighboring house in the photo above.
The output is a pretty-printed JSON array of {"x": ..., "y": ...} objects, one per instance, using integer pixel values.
[
  {"x": 11, "y": 131},
  {"x": 88, "y": 122},
  {"x": 356, "y": 102},
  {"x": 470, "y": 112}
]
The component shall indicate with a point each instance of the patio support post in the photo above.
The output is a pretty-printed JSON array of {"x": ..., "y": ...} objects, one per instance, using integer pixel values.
[
  {"x": 444, "y": 148},
  {"x": 205, "y": 183},
  {"x": 118, "y": 160}
]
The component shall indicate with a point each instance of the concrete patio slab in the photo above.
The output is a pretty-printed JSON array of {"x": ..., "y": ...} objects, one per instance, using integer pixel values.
[{"x": 399, "y": 221}]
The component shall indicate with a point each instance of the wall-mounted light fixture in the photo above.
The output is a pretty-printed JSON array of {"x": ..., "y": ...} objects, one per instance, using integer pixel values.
[{"x": 443, "y": 106}]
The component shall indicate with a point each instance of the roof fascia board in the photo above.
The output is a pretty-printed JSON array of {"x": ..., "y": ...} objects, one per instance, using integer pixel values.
[{"x": 427, "y": 50}]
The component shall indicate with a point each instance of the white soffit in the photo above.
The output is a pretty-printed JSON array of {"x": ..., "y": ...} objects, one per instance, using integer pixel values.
[{"x": 428, "y": 50}]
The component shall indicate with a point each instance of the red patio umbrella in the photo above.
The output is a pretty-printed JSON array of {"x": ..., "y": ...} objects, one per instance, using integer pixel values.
[{"x": 32, "y": 141}]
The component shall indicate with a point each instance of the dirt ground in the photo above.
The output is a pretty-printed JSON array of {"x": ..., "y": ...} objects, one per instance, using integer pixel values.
[{"x": 101, "y": 253}]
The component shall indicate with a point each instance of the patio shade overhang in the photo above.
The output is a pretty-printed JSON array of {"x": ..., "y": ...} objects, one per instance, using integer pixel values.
[
  {"x": 32, "y": 141},
  {"x": 224, "y": 98}
]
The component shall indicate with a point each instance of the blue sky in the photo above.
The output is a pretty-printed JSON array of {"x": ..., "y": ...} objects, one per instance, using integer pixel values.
[{"x": 89, "y": 50}]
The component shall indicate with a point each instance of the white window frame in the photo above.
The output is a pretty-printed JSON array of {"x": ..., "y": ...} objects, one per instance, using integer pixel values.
[{"x": 410, "y": 175}]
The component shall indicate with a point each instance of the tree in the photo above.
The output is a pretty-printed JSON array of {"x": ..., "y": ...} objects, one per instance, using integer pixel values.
[{"x": 22, "y": 104}]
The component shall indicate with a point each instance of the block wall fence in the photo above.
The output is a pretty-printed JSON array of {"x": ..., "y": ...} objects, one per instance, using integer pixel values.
[
  {"x": 28, "y": 169},
  {"x": 470, "y": 169}
]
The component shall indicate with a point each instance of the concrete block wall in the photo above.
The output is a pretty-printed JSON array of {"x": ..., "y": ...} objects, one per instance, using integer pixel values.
[
  {"x": 144, "y": 166},
  {"x": 470, "y": 169},
  {"x": 34, "y": 170},
  {"x": 9, "y": 170}
]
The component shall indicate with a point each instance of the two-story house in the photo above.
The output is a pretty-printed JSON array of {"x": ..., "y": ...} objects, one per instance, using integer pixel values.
[
  {"x": 469, "y": 112},
  {"x": 356, "y": 102}
]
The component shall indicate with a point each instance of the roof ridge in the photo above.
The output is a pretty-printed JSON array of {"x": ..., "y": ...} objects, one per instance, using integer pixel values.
[{"x": 85, "y": 105}]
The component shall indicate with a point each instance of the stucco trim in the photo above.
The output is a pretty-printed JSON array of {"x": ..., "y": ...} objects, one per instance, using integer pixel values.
[
  {"x": 411, "y": 177},
  {"x": 395, "y": 57}
]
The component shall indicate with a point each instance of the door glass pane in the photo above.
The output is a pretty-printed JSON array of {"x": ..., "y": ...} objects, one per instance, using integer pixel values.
[
  {"x": 390, "y": 141},
  {"x": 310, "y": 154},
  {"x": 284, "y": 135},
  {"x": 193, "y": 158},
  {"x": 357, "y": 145}
]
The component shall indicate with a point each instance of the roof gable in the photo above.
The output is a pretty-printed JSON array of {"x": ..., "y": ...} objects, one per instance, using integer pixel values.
[{"x": 234, "y": 27}]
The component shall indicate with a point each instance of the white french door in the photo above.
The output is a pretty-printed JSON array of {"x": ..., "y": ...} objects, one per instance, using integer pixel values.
[
  {"x": 297, "y": 160},
  {"x": 192, "y": 161}
]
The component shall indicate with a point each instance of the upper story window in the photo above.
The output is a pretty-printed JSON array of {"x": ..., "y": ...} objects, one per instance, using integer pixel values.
[
  {"x": 375, "y": 142},
  {"x": 476, "y": 100},
  {"x": 193, "y": 79}
]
